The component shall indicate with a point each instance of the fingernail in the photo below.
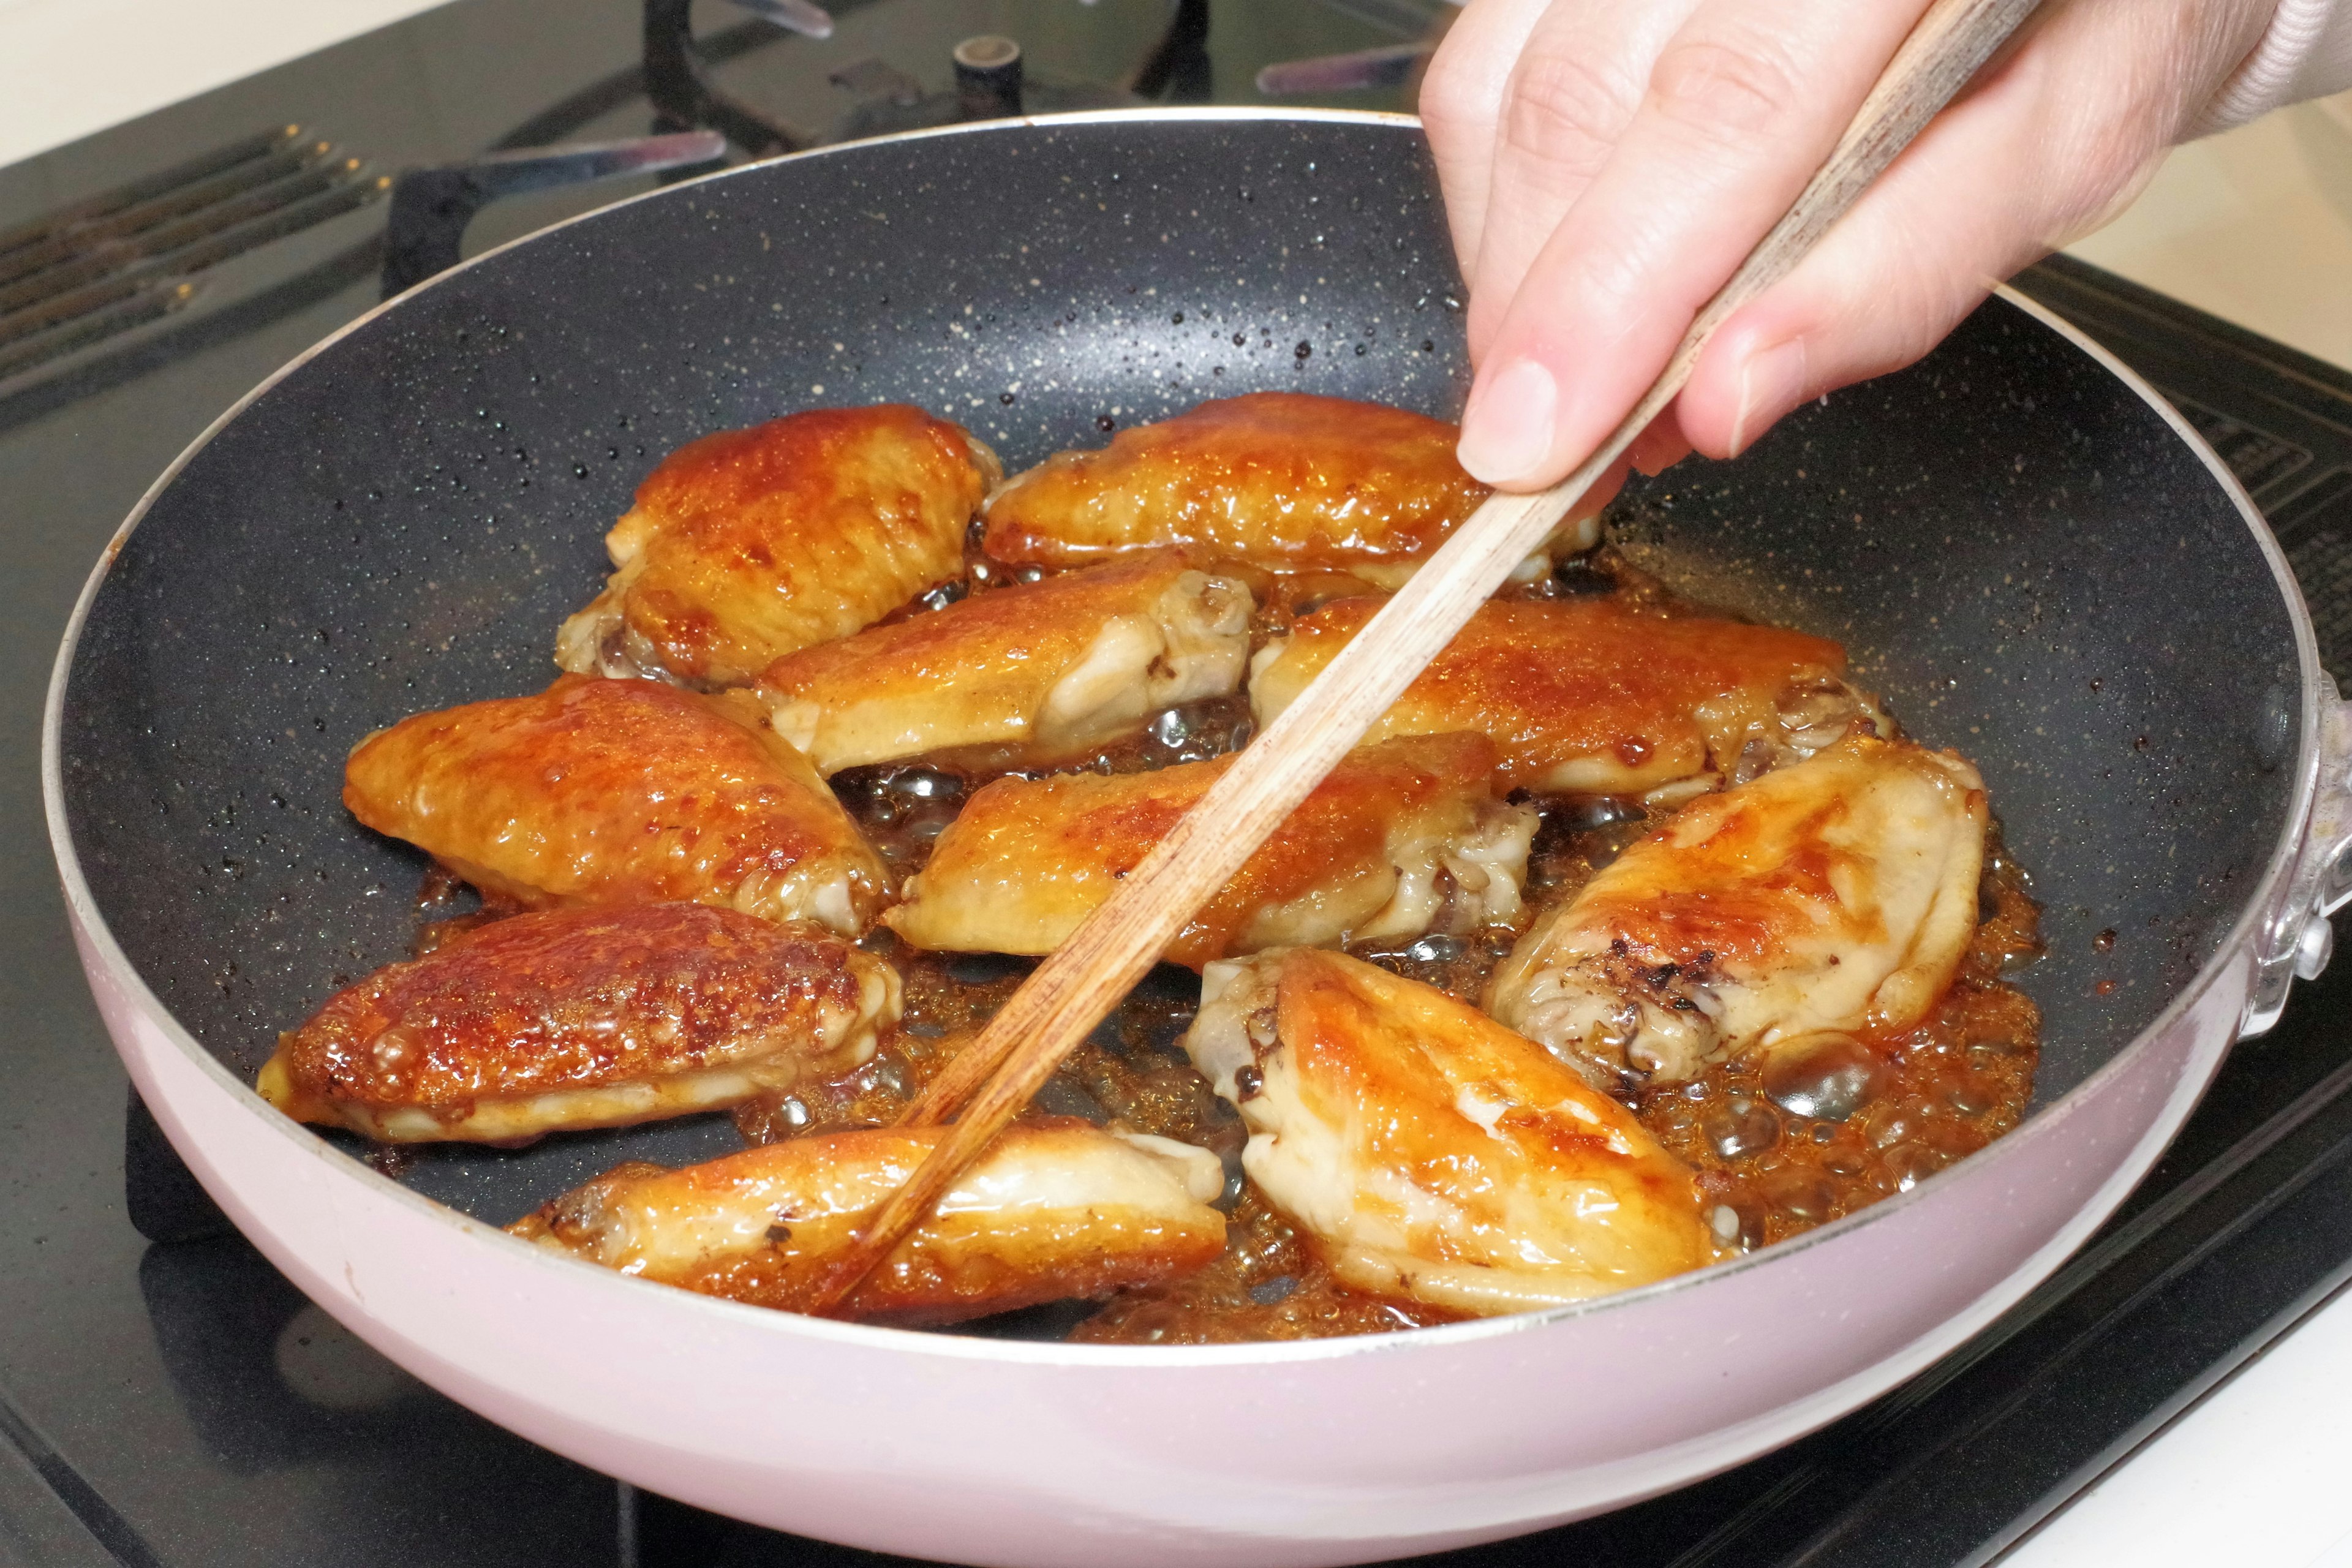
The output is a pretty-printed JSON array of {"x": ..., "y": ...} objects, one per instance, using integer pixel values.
[
  {"x": 1771, "y": 382},
  {"x": 1506, "y": 430}
]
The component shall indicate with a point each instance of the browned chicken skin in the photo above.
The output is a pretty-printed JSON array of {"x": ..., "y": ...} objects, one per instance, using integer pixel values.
[
  {"x": 579, "y": 1018},
  {"x": 1049, "y": 668},
  {"x": 1399, "y": 836},
  {"x": 1287, "y": 480},
  {"x": 747, "y": 545},
  {"x": 1585, "y": 697},
  {"x": 1056, "y": 1208},
  {"x": 1838, "y": 895},
  {"x": 608, "y": 792},
  {"x": 1430, "y": 1152}
]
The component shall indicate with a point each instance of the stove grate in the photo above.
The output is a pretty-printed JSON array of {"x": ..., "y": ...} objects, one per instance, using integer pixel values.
[
  {"x": 133, "y": 255},
  {"x": 2317, "y": 534}
]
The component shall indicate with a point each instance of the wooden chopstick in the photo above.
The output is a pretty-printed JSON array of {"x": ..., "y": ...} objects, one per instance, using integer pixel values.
[{"x": 994, "y": 1077}]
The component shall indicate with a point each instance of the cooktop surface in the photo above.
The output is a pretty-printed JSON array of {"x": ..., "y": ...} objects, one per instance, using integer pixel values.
[{"x": 180, "y": 1403}]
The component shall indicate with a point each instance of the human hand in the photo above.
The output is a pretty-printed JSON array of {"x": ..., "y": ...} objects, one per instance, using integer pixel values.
[{"x": 1608, "y": 163}]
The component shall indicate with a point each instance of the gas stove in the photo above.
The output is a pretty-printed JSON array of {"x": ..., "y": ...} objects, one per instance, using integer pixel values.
[{"x": 175, "y": 1402}]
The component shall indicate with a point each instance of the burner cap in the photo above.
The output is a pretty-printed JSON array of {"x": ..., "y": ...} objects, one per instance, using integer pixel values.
[{"x": 987, "y": 52}]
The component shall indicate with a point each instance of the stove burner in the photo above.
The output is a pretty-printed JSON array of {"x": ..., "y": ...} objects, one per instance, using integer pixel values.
[
  {"x": 991, "y": 82},
  {"x": 695, "y": 122}
]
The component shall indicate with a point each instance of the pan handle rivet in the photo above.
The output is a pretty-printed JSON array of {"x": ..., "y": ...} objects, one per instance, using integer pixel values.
[{"x": 2314, "y": 947}]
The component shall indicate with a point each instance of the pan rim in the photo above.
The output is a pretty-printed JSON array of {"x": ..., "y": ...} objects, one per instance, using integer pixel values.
[{"x": 2254, "y": 914}]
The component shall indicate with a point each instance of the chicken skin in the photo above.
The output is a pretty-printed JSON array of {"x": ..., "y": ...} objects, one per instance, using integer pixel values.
[
  {"x": 1400, "y": 838},
  {"x": 1285, "y": 480},
  {"x": 611, "y": 791},
  {"x": 1055, "y": 1209},
  {"x": 1838, "y": 895},
  {"x": 577, "y": 1018},
  {"x": 1430, "y": 1152},
  {"x": 1585, "y": 697},
  {"x": 1047, "y": 669},
  {"x": 747, "y": 545}
]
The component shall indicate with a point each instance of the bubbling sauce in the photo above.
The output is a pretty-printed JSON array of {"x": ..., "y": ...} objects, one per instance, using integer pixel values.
[{"x": 1781, "y": 1144}]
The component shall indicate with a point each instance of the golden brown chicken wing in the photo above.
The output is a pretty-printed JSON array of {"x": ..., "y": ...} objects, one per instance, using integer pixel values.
[
  {"x": 1401, "y": 837},
  {"x": 1837, "y": 895},
  {"x": 1048, "y": 668},
  {"x": 1287, "y": 480},
  {"x": 576, "y": 1019},
  {"x": 607, "y": 792},
  {"x": 1429, "y": 1152},
  {"x": 1055, "y": 1209},
  {"x": 747, "y": 545},
  {"x": 1585, "y": 697}
]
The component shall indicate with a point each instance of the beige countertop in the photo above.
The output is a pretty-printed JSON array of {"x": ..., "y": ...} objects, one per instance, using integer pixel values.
[{"x": 2254, "y": 225}]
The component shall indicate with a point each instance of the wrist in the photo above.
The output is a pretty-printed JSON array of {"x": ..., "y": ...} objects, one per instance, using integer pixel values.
[{"x": 2305, "y": 52}]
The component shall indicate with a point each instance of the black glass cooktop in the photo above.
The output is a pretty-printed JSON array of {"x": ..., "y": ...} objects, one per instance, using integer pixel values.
[{"x": 180, "y": 1403}]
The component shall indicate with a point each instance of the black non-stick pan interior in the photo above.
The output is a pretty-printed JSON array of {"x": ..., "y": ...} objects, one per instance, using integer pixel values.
[{"x": 2020, "y": 552}]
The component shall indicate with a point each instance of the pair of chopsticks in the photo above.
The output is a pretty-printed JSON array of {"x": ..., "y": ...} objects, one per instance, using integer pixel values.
[{"x": 990, "y": 1081}]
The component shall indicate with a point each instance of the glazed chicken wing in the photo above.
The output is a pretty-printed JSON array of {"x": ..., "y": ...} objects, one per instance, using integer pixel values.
[
  {"x": 576, "y": 1019},
  {"x": 1585, "y": 697},
  {"x": 1429, "y": 1152},
  {"x": 1287, "y": 480},
  {"x": 747, "y": 545},
  {"x": 1400, "y": 836},
  {"x": 1048, "y": 668},
  {"x": 1055, "y": 1209},
  {"x": 1834, "y": 896},
  {"x": 607, "y": 792}
]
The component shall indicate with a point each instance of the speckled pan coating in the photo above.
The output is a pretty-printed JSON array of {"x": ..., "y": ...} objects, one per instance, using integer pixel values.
[{"x": 2026, "y": 558}]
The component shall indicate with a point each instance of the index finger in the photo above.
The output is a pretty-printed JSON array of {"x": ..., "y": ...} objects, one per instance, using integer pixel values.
[{"x": 1744, "y": 103}]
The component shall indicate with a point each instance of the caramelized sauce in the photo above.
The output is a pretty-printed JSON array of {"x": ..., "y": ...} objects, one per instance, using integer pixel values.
[
  {"x": 1941, "y": 1091},
  {"x": 448, "y": 910},
  {"x": 1267, "y": 1285},
  {"x": 1946, "y": 1088},
  {"x": 1770, "y": 1169}
]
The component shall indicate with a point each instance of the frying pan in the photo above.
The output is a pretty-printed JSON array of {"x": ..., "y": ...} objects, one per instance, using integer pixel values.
[{"x": 2026, "y": 552}]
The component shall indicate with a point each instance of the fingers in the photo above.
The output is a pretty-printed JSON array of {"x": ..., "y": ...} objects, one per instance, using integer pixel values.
[
  {"x": 1578, "y": 80},
  {"x": 1461, "y": 96},
  {"x": 2050, "y": 144},
  {"x": 1742, "y": 105}
]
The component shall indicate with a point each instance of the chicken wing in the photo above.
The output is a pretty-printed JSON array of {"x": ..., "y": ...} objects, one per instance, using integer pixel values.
[
  {"x": 1836, "y": 895},
  {"x": 1287, "y": 480},
  {"x": 1585, "y": 697},
  {"x": 576, "y": 1019},
  {"x": 1429, "y": 1152},
  {"x": 1055, "y": 1209},
  {"x": 747, "y": 545},
  {"x": 1400, "y": 836},
  {"x": 1049, "y": 668},
  {"x": 607, "y": 792}
]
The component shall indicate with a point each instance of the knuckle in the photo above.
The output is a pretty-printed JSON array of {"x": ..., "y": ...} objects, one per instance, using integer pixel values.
[
  {"x": 1450, "y": 105},
  {"x": 1563, "y": 110},
  {"x": 1725, "y": 91}
]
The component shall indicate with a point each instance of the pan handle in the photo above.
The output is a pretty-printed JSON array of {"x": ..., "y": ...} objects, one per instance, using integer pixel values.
[{"x": 2299, "y": 938}]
